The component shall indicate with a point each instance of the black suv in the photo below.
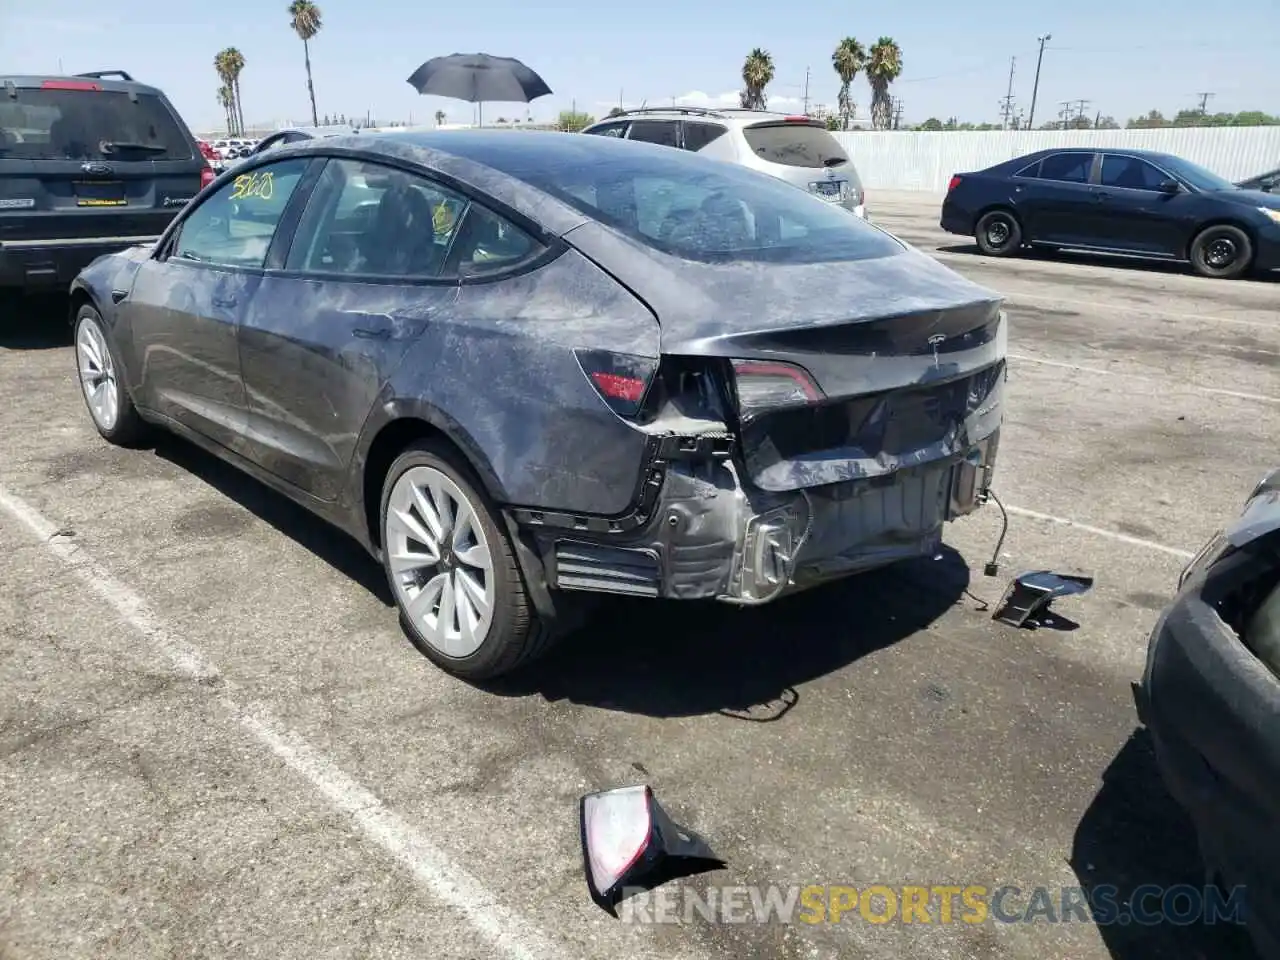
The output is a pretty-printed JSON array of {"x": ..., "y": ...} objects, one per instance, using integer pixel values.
[{"x": 88, "y": 166}]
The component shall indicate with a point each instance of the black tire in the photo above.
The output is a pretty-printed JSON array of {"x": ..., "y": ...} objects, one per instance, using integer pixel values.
[
  {"x": 1222, "y": 251},
  {"x": 515, "y": 635},
  {"x": 128, "y": 428},
  {"x": 998, "y": 233}
]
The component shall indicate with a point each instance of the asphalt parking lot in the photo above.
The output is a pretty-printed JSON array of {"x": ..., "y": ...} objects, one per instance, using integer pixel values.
[{"x": 215, "y": 741}]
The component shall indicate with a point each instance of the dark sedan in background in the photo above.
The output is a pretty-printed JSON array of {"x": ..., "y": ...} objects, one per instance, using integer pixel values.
[
  {"x": 1268, "y": 182},
  {"x": 1117, "y": 201},
  {"x": 1210, "y": 695},
  {"x": 514, "y": 366}
]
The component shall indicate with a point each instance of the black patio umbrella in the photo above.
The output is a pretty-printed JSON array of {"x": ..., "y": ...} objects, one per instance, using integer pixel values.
[{"x": 478, "y": 78}]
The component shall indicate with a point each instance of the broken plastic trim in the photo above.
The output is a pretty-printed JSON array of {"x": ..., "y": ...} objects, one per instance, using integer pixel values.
[
  {"x": 1026, "y": 600},
  {"x": 630, "y": 844}
]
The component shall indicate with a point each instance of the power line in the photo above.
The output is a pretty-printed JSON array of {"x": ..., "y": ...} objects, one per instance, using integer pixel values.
[
  {"x": 1007, "y": 108},
  {"x": 1035, "y": 87}
]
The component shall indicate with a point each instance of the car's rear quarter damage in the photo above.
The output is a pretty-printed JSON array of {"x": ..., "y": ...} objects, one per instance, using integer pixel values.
[{"x": 805, "y": 422}]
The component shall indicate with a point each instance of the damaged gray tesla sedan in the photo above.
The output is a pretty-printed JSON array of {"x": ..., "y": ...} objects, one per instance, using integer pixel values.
[{"x": 518, "y": 365}]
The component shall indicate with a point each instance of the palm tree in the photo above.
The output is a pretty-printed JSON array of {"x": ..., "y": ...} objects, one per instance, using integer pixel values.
[
  {"x": 440, "y": 118},
  {"x": 226, "y": 97},
  {"x": 227, "y": 91},
  {"x": 883, "y": 67},
  {"x": 757, "y": 72},
  {"x": 849, "y": 58},
  {"x": 305, "y": 20},
  {"x": 235, "y": 65}
]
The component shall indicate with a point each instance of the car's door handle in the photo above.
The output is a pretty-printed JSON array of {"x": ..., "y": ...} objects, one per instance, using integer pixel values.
[
  {"x": 1100, "y": 195},
  {"x": 224, "y": 301},
  {"x": 118, "y": 295}
]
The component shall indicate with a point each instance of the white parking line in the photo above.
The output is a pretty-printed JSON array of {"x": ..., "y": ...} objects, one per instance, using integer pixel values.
[
  {"x": 510, "y": 935},
  {"x": 1218, "y": 391},
  {"x": 1099, "y": 531}
]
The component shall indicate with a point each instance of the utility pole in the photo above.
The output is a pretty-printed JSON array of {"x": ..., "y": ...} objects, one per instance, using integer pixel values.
[
  {"x": 1006, "y": 109},
  {"x": 806, "y": 91},
  {"x": 1064, "y": 115},
  {"x": 1035, "y": 87},
  {"x": 897, "y": 113},
  {"x": 1080, "y": 105},
  {"x": 1204, "y": 102}
]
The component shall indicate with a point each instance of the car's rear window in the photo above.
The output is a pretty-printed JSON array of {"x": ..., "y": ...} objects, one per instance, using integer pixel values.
[
  {"x": 89, "y": 125},
  {"x": 795, "y": 145},
  {"x": 697, "y": 208}
]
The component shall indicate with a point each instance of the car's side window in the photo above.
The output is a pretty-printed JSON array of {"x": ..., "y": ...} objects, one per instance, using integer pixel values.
[
  {"x": 662, "y": 132},
  {"x": 1130, "y": 173},
  {"x": 698, "y": 134},
  {"x": 371, "y": 220},
  {"x": 489, "y": 244},
  {"x": 1067, "y": 167},
  {"x": 234, "y": 226},
  {"x": 609, "y": 130},
  {"x": 1030, "y": 172}
]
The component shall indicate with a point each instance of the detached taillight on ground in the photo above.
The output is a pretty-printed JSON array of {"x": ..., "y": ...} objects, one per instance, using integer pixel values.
[
  {"x": 764, "y": 385},
  {"x": 955, "y": 182},
  {"x": 622, "y": 380},
  {"x": 207, "y": 176}
]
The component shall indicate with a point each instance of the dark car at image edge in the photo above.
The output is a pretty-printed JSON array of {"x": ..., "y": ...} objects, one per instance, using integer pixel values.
[
  {"x": 1210, "y": 697},
  {"x": 1133, "y": 202},
  {"x": 518, "y": 368},
  {"x": 89, "y": 164}
]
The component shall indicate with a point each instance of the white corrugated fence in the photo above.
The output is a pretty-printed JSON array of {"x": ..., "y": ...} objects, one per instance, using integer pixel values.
[{"x": 925, "y": 161}]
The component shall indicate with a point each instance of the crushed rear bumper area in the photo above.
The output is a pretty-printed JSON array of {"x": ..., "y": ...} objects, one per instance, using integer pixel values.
[
  {"x": 51, "y": 264},
  {"x": 707, "y": 534}
]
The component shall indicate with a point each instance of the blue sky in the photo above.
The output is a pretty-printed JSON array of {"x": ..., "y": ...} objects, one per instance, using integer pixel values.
[{"x": 1125, "y": 58}]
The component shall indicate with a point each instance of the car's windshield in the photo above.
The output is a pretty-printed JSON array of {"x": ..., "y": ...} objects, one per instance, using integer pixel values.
[
  {"x": 1196, "y": 175},
  {"x": 87, "y": 125},
  {"x": 696, "y": 208}
]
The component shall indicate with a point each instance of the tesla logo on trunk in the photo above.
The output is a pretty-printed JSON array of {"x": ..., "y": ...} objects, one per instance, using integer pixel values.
[{"x": 936, "y": 339}]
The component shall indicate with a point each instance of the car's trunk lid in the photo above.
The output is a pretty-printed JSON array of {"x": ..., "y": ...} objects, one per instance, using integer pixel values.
[{"x": 908, "y": 354}]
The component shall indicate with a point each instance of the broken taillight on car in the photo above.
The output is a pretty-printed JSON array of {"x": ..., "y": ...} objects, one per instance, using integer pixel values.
[
  {"x": 621, "y": 379},
  {"x": 764, "y": 385}
]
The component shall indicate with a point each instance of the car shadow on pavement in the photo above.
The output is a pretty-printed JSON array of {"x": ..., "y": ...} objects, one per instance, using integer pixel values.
[
  {"x": 1085, "y": 258},
  {"x": 324, "y": 540},
  {"x": 1134, "y": 833},
  {"x": 34, "y": 322},
  {"x": 688, "y": 658}
]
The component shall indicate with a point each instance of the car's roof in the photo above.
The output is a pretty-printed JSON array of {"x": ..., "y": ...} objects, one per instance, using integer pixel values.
[
  {"x": 36, "y": 81},
  {"x": 493, "y": 161},
  {"x": 739, "y": 115},
  {"x": 1126, "y": 151}
]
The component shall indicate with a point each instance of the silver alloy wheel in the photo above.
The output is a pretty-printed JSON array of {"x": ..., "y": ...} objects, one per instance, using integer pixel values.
[
  {"x": 98, "y": 374},
  {"x": 441, "y": 565},
  {"x": 997, "y": 233}
]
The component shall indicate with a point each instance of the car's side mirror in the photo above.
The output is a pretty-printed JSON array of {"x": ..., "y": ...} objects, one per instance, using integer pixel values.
[
  {"x": 1270, "y": 184},
  {"x": 1170, "y": 187}
]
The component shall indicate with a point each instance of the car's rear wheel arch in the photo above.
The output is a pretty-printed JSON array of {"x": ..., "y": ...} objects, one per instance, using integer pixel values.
[{"x": 391, "y": 440}]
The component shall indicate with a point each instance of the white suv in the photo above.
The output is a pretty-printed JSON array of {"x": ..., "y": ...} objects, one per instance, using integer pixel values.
[{"x": 797, "y": 149}]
